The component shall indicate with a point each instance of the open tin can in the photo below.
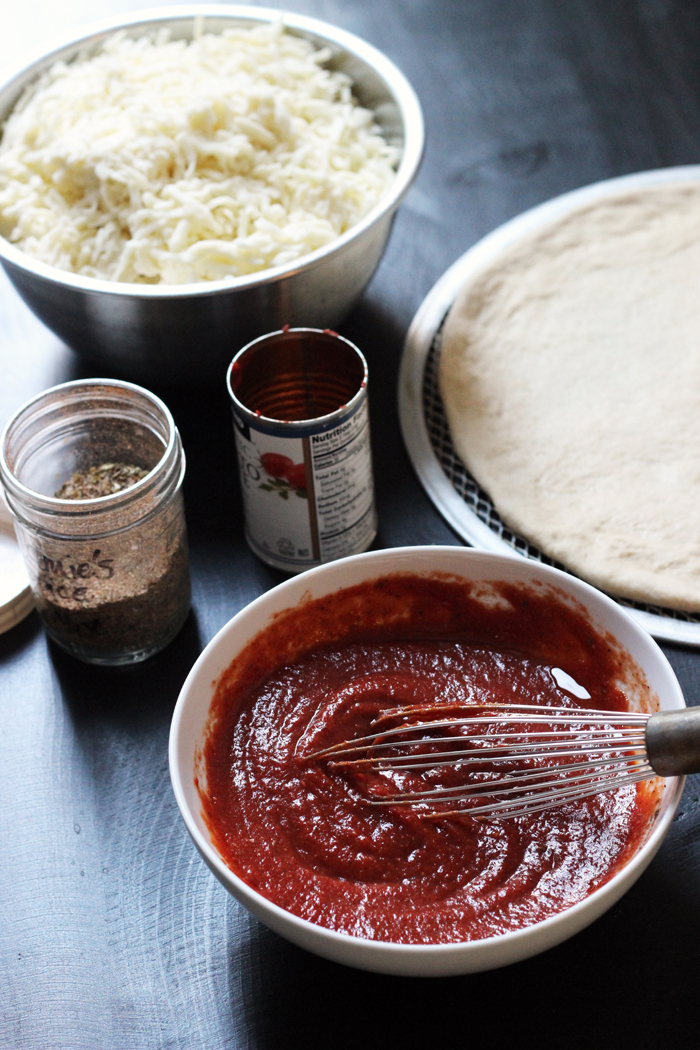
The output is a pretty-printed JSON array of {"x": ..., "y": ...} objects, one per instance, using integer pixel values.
[{"x": 299, "y": 399}]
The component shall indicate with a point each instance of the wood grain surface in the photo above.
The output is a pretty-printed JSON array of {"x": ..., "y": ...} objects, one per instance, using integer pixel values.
[{"x": 113, "y": 933}]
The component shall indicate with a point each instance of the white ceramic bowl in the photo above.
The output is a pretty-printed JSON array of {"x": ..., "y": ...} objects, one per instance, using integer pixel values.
[{"x": 187, "y": 734}]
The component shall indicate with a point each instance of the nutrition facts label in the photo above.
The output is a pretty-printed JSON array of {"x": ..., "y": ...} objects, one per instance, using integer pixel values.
[
  {"x": 341, "y": 463},
  {"x": 307, "y": 499}
]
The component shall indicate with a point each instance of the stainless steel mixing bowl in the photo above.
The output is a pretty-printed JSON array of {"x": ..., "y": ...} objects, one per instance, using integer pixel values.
[{"x": 191, "y": 331}]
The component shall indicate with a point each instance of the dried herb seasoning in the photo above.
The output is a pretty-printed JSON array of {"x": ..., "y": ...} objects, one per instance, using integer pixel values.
[
  {"x": 102, "y": 480},
  {"x": 107, "y": 552},
  {"x": 98, "y": 616}
]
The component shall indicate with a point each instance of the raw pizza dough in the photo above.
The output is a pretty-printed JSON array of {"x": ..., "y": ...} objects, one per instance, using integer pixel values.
[{"x": 570, "y": 373}]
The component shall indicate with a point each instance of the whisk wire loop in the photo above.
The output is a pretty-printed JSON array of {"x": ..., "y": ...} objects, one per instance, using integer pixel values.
[{"x": 502, "y": 760}]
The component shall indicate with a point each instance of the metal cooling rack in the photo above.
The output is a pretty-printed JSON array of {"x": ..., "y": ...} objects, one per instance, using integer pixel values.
[{"x": 450, "y": 486}]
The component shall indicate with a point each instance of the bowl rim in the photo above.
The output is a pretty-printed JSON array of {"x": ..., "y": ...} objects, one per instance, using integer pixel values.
[
  {"x": 334, "y": 944},
  {"x": 40, "y": 59}
]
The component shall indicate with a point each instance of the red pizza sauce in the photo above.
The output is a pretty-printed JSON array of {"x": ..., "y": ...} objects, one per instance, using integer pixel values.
[{"x": 305, "y": 836}]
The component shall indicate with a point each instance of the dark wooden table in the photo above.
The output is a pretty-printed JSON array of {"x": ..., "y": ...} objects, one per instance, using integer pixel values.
[{"x": 113, "y": 934}]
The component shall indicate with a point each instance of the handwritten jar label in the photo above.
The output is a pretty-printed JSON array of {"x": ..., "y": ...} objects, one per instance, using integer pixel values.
[{"x": 65, "y": 581}]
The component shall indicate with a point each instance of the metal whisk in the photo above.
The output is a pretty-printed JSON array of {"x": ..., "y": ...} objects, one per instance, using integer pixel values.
[{"x": 508, "y": 760}]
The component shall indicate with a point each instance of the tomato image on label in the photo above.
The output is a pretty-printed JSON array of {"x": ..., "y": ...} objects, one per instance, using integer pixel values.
[
  {"x": 275, "y": 465},
  {"x": 284, "y": 475},
  {"x": 296, "y": 475}
]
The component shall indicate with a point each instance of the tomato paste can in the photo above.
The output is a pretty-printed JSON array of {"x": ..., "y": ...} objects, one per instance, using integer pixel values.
[{"x": 299, "y": 399}]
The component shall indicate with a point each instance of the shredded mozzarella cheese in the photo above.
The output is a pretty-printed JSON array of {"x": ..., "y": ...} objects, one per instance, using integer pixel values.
[{"x": 166, "y": 161}]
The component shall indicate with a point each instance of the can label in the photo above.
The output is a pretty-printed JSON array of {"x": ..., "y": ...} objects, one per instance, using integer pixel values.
[{"x": 307, "y": 499}]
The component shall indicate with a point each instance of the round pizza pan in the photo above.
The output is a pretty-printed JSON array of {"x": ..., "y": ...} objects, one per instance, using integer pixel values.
[{"x": 450, "y": 486}]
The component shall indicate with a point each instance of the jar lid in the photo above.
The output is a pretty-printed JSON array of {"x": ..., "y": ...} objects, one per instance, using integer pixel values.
[{"x": 16, "y": 600}]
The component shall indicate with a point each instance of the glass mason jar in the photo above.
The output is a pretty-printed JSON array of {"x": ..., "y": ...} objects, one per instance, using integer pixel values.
[{"x": 110, "y": 575}]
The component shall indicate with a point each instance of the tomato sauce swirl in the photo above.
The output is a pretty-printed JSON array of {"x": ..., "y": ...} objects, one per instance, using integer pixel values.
[{"x": 304, "y": 834}]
